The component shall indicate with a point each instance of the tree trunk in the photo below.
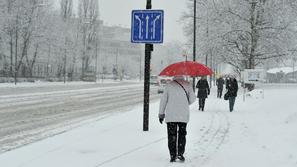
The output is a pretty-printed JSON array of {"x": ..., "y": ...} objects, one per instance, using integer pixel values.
[
  {"x": 24, "y": 51},
  {"x": 16, "y": 52},
  {"x": 254, "y": 36},
  {"x": 33, "y": 60},
  {"x": 11, "y": 54}
]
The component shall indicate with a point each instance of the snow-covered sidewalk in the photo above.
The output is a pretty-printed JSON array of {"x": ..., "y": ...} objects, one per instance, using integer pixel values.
[{"x": 259, "y": 133}]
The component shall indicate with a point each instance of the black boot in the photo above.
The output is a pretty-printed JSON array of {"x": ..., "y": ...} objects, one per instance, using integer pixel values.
[
  {"x": 172, "y": 158},
  {"x": 181, "y": 158}
]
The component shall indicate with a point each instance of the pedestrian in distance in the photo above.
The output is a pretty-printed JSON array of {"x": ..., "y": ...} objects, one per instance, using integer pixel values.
[
  {"x": 203, "y": 92},
  {"x": 232, "y": 89},
  {"x": 227, "y": 81},
  {"x": 174, "y": 108},
  {"x": 220, "y": 85}
]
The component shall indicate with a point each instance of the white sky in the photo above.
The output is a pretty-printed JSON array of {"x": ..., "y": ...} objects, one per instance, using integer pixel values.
[{"x": 118, "y": 12}]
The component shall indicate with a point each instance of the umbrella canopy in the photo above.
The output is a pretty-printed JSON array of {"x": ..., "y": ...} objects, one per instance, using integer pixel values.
[{"x": 188, "y": 68}]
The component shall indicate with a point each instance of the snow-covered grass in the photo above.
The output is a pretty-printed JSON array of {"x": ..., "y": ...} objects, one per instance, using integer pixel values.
[{"x": 261, "y": 132}]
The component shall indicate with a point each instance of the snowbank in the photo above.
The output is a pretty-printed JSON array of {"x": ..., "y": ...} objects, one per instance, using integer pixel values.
[
  {"x": 285, "y": 70},
  {"x": 47, "y": 84}
]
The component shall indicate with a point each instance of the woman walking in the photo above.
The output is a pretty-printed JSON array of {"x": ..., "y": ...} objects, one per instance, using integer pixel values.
[
  {"x": 232, "y": 88},
  {"x": 174, "y": 107},
  {"x": 203, "y": 91}
]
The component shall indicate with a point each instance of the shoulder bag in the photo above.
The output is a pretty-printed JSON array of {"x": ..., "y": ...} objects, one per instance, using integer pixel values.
[{"x": 184, "y": 90}]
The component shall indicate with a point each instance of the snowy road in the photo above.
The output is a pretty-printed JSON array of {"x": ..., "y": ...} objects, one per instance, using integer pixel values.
[{"x": 28, "y": 114}]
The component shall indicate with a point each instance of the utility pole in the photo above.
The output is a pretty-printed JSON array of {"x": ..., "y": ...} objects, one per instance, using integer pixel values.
[
  {"x": 194, "y": 42},
  {"x": 148, "y": 49}
]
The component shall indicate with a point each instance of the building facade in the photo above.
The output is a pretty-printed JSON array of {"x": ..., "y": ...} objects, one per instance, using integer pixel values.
[{"x": 111, "y": 53}]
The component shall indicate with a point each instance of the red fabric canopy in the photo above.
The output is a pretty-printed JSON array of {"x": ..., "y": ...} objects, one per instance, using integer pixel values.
[{"x": 188, "y": 68}]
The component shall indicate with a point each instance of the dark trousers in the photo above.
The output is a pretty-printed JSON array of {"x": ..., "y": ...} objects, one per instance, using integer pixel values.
[
  {"x": 220, "y": 90},
  {"x": 201, "y": 103},
  {"x": 177, "y": 132},
  {"x": 231, "y": 103}
]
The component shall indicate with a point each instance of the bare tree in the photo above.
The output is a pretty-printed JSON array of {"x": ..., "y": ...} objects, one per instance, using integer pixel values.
[
  {"x": 66, "y": 13},
  {"x": 88, "y": 13},
  {"x": 24, "y": 20},
  {"x": 245, "y": 33}
]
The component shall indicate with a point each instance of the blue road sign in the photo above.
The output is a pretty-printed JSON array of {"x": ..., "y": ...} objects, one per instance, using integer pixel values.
[{"x": 147, "y": 26}]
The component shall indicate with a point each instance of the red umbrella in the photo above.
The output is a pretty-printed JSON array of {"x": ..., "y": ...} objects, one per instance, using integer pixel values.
[{"x": 189, "y": 68}]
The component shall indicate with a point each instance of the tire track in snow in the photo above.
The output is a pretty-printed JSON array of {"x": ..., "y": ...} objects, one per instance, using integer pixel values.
[
  {"x": 61, "y": 102},
  {"x": 57, "y": 107},
  {"x": 28, "y": 135},
  {"x": 6, "y": 101},
  {"x": 130, "y": 151},
  {"x": 216, "y": 140},
  {"x": 34, "y": 121},
  {"x": 14, "y": 109},
  {"x": 211, "y": 140}
]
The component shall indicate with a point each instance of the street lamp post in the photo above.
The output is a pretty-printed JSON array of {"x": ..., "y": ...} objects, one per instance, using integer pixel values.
[{"x": 194, "y": 41}]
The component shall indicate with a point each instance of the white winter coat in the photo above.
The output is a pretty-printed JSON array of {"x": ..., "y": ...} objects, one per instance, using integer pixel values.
[{"x": 174, "y": 104}]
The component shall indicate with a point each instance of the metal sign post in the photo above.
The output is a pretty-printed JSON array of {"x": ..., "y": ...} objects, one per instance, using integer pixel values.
[
  {"x": 146, "y": 99},
  {"x": 147, "y": 28}
]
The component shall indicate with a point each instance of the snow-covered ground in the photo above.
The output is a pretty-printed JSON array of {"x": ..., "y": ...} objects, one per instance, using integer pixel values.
[
  {"x": 285, "y": 70},
  {"x": 261, "y": 132},
  {"x": 32, "y": 113}
]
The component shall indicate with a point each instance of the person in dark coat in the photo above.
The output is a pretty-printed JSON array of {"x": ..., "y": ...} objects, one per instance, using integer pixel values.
[
  {"x": 227, "y": 81},
  {"x": 203, "y": 91},
  {"x": 220, "y": 85},
  {"x": 232, "y": 89}
]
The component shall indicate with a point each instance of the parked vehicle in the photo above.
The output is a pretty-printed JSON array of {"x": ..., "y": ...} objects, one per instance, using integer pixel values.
[
  {"x": 162, "y": 83},
  {"x": 154, "y": 80}
]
